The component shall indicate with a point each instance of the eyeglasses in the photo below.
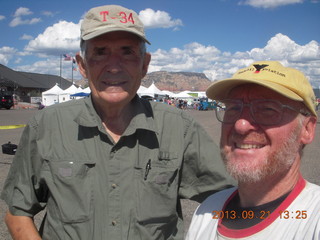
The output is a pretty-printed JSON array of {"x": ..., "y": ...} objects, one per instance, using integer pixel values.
[{"x": 263, "y": 111}]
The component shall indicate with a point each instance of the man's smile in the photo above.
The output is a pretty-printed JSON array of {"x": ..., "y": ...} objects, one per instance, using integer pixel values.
[{"x": 248, "y": 146}]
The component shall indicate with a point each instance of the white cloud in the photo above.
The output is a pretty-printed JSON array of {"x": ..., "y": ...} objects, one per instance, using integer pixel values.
[
  {"x": 158, "y": 19},
  {"x": 22, "y": 11},
  {"x": 192, "y": 56},
  {"x": 282, "y": 47},
  {"x": 26, "y": 37},
  {"x": 62, "y": 37},
  {"x": 218, "y": 65},
  {"x": 269, "y": 3},
  {"x": 18, "y": 20},
  {"x": 18, "y": 60},
  {"x": 51, "y": 66},
  {"x": 2, "y": 17},
  {"x": 6, "y": 53},
  {"x": 47, "y": 13}
]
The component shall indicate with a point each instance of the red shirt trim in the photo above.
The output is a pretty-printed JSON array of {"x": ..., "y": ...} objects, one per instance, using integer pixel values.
[{"x": 241, "y": 233}]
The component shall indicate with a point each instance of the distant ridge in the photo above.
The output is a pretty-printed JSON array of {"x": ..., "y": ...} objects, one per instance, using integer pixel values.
[
  {"x": 172, "y": 81},
  {"x": 177, "y": 81}
]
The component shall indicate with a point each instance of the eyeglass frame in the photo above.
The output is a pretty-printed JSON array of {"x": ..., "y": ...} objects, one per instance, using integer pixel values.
[{"x": 302, "y": 111}]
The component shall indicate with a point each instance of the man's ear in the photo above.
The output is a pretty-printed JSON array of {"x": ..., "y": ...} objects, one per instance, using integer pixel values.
[
  {"x": 308, "y": 130},
  {"x": 146, "y": 61},
  {"x": 81, "y": 65}
]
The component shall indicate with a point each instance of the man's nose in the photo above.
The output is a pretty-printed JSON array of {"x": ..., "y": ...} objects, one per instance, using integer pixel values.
[
  {"x": 113, "y": 64},
  {"x": 245, "y": 122}
]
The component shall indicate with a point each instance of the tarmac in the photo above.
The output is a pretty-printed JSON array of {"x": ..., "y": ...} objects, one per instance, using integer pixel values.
[{"x": 310, "y": 166}]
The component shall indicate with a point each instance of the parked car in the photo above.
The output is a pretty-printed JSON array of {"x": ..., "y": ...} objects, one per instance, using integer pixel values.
[{"x": 6, "y": 101}]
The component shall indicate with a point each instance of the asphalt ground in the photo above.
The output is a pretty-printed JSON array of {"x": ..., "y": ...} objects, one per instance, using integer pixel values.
[{"x": 310, "y": 166}]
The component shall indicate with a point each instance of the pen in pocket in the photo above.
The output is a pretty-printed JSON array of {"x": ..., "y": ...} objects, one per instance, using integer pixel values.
[{"x": 148, "y": 167}]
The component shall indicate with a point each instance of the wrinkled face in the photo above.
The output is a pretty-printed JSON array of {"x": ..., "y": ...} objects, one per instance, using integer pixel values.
[
  {"x": 252, "y": 152},
  {"x": 114, "y": 66}
]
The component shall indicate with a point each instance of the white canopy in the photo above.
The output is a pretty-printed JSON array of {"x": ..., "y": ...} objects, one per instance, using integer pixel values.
[
  {"x": 141, "y": 90},
  {"x": 166, "y": 92},
  {"x": 65, "y": 95},
  {"x": 182, "y": 95},
  {"x": 151, "y": 91},
  {"x": 71, "y": 90},
  {"x": 56, "y": 90},
  {"x": 51, "y": 96},
  {"x": 86, "y": 90}
]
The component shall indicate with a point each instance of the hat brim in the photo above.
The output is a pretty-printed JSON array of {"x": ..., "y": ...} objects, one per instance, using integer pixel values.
[
  {"x": 108, "y": 30},
  {"x": 219, "y": 90}
]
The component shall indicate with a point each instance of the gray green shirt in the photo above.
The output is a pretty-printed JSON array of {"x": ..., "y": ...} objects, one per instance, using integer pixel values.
[{"x": 93, "y": 188}]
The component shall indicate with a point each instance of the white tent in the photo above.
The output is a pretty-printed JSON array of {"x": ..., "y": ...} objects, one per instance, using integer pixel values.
[
  {"x": 166, "y": 92},
  {"x": 71, "y": 90},
  {"x": 86, "y": 90},
  {"x": 152, "y": 91},
  {"x": 65, "y": 95},
  {"x": 182, "y": 95},
  {"x": 81, "y": 93},
  {"x": 51, "y": 96},
  {"x": 55, "y": 90},
  {"x": 141, "y": 90},
  {"x": 198, "y": 94}
]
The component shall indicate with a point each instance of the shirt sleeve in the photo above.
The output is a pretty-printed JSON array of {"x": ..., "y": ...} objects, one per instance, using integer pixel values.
[
  {"x": 23, "y": 191},
  {"x": 203, "y": 171}
]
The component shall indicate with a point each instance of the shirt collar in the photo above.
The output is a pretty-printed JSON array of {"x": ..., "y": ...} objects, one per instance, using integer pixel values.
[{"x": 143, "y": 116}]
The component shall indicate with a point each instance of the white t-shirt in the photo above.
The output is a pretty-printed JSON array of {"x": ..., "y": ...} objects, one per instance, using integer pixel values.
[{"x": 297, "y": 217}]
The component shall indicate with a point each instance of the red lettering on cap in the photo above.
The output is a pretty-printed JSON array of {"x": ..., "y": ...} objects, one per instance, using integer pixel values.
[
  {"x": 126, "y": 18},
  {"x": 104, "y": 15}
]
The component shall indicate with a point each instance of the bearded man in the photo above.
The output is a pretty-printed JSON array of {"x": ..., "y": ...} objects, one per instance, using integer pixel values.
[{"x": 268, "y": 115}]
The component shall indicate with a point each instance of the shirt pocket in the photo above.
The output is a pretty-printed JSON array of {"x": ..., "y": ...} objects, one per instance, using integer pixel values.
[
  {"x": 157, "y": 188},
  {"x": 71, "y": 189}
]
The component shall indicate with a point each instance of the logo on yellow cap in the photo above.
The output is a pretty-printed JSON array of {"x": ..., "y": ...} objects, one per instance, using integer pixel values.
[{"x": 258, "y": 67}]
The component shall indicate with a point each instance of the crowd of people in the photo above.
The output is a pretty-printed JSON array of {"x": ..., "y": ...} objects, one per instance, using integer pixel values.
[{"x": 190, "y": 103}]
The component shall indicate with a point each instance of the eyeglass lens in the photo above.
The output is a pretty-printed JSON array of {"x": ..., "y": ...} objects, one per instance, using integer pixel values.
[{"x": 265, "y": 112}]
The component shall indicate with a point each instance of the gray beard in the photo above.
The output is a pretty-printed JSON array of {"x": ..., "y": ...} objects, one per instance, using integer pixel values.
[{"x": 277, "y": 161}]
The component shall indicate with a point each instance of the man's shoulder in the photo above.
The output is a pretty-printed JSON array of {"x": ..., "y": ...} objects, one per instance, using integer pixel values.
[
  {"x": 312, "y": 191},
  {"x": 68, "y": 109},
  {"x": 160, "y": 108},
  {"x": 312, "y": 186},
  {"x": 69, "y": 104},
  {"x": 216, "y": 201}
]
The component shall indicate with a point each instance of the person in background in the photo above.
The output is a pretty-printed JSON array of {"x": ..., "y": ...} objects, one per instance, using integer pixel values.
[
  {"x": 268, "y": 116},
  {"x": 112, "y": 165}
]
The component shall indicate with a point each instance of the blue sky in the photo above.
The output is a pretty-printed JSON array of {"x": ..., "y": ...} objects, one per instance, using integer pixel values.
[{"x": 215, "y": 37}]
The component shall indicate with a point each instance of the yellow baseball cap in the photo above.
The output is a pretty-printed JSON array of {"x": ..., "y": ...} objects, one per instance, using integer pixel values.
[
  {"x": 110, "y": 18},
  {"x": 286, "y": 81}
]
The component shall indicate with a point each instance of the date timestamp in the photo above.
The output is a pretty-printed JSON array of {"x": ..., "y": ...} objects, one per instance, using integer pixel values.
[
  {"x": 241, "y": 215},
  {"x": 299, "y": 214},
  {"x": 248, "y": 214}
]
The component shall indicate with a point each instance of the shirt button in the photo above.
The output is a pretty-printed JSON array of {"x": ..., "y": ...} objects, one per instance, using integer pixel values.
[
  {"x": 114, "y": 223},
  {"x": 113, "y": 185}
]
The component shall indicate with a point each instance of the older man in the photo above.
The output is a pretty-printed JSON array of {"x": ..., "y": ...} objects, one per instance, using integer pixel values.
[
  {"x": 268, "y": 116},
  {"x": 110, "y": 166}
]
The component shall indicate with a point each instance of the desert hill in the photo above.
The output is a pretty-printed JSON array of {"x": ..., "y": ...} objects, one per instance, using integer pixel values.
[
  {"x": 171, "y": 81},
  {"x": 177, "y": 81}
]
